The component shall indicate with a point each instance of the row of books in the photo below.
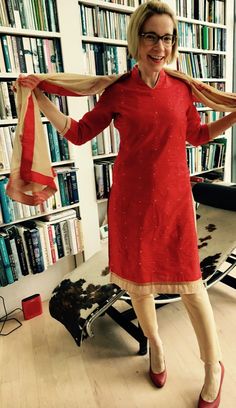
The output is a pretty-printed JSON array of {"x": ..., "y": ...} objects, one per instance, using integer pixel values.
[
  {"x": 103, "y": 59},
  {"x": 217, "y": 85},
  {"x": 201, "y": 36},
  {"x": 129, "y": 3},
  {"x": 108, "y": 140},
  {"x": 212, "y": 11},
  {"x": 97, "y": 22},
  {"x": 103, "y": 177},
  {"x": 58, "y": 146},
  {"x": 30, "y": 54},
  {"x": 67, "y": 194},
  {"x": 200, "y": 65},
  {"x": 206, "y": 157},
  {"x": 8, "y": 101},
  {"x": 210, "y": 116},
  {"x": 31, "y": 14},
  {"x": 33, "y": 246}
]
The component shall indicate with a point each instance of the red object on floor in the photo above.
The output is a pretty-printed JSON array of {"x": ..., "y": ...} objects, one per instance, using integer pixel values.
[{"x": 32, "y": 306}]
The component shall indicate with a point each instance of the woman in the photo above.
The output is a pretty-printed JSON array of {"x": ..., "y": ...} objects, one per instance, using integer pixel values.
[{"x": 152, "y": 236}]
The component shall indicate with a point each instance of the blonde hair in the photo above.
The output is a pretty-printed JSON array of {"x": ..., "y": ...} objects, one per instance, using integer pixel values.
[{"x": 140, "y": 16}]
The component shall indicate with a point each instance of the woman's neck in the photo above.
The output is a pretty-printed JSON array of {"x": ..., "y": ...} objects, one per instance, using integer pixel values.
[{"x": 150, "y": 79}]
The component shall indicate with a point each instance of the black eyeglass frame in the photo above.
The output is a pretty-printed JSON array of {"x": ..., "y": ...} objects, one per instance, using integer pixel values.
[{"x": 160, "y": 37}]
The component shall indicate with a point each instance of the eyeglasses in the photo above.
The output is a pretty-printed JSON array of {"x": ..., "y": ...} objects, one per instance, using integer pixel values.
[{"x": 152, "y": 38}]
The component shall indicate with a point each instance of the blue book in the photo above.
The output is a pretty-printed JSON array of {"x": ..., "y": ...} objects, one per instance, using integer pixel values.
[
  {"x": 6, "y": 202},
  {"x": 6, "y": 260}
]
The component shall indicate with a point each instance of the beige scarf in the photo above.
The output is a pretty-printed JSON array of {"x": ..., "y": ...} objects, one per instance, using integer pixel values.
[{"x": 32, "y": 177}]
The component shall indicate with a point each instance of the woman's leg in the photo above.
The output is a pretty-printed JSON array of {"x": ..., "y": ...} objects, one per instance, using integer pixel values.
[
  {"x": 201, "y": 315},
  {"x": 144, "y": 307}
]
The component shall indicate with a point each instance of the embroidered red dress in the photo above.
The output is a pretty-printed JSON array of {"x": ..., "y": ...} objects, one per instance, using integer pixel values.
[{"x": 152, "y": 236}]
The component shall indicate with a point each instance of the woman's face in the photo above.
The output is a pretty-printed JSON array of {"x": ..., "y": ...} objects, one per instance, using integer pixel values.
[{"x": 152, "y": 57}]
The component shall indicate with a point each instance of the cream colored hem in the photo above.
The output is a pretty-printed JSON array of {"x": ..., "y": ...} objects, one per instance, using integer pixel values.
[{"x": 154, "y": 288}]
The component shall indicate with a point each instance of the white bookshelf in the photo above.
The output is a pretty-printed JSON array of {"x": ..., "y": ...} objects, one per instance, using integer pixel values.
[
  {"x": 45, "y": 282},
  {"x": 228, "y": 55}
]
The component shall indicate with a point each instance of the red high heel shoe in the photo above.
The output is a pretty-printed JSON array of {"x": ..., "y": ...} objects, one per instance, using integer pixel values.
[
  {"x": 216, "y": 402},
  {"x": 157, "y": 379}
]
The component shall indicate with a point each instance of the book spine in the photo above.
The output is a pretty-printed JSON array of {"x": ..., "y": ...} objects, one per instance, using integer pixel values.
[
  {"x": 72, "y": 236},
  {"x": 30, "y": 250},
  {"x": 6, "y": 261},
  {"x": 21, "y": 255},
  {"x": 65, "y": 237},
  {"x": 3, "y": 278},
  {"x": 6, "y": 53},
  {"x": 5, "y": 202},
  {"x": 59, "y": 240}
]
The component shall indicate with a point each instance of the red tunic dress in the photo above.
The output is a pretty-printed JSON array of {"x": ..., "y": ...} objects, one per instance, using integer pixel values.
[{"x": 152, "y": 235}]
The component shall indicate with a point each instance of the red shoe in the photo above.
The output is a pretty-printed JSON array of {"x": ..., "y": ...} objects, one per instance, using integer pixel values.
[
  {"x": 216, "y": 402},
  {"x": 157, "y": 379}
]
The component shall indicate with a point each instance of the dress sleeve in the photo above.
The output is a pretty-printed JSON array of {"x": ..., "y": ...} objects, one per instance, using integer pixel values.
[
  {"x": 197, "y": 133},
  {"x": 93, "y": 122}
]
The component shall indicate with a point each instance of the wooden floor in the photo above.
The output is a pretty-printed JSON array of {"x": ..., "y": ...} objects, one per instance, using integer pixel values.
[{"x": 41, "y": 366}]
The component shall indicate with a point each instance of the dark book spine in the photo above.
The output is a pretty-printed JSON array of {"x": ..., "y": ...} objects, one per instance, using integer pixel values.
[
  {"x": 11, "y": 257},
  {"x": 22, "y": 14},
  {"x": 74, "y": 186},
  {"x": 12, "y": 100},
  {"x": 37, "y": 248},
  {"x": 30, "y": 250},
  {"x": 10, "y": 13},
  {"x": 42, "y": 63},
  {"x": 59, "y": 240},
  {"x": 63, "y": 146},
  {"x": 3, "y": 278},
  {"x": 21, "y": 255},
  {"x": 20, "y": 50},
  {"x": 6, "y": 260},
  {"x": 69, "y": 185}
]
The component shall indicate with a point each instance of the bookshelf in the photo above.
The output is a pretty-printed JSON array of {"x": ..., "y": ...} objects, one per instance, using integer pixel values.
[
  {"x": 205, "y": 38},
  {"x": 37, "y": 30}
]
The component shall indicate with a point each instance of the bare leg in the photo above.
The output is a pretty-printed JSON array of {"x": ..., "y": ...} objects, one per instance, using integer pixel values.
[
  {"x": 144, "y": 308},
  {"x": 201, "y": 315}
]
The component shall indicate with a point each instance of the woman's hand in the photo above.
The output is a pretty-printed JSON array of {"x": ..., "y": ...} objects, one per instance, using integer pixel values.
[{"x": 30, "y": 81}]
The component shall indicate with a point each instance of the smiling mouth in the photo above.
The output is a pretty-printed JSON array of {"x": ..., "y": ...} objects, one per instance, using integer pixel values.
[{"x": 156, "y": 58}]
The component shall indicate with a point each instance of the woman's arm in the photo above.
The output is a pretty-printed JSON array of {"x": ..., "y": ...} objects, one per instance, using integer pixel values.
[
  {"x": 219, "y": 126},
  {"x": 77, "y": 132}
]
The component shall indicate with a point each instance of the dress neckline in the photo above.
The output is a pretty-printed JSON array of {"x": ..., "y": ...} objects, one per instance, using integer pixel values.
[{"x": 137, "y": 77}]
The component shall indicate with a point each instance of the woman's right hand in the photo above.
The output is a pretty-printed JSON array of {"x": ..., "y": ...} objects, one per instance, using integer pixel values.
[{"x": 30, "y": 81}]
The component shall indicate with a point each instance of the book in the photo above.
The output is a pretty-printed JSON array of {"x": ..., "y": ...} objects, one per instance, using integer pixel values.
[
  {"x": 3, "y": 278},
  {"x": 72, "y": 236},
  {"x": 59, "y": 242},
  {"x": 20, "y": 250},
  {"x": 6, "y": 53},
  {"x": 65, "y": 237},
  {"x": 72, "y": 187},
  {"x": 46, "y": 247},
  {"x": 11, "y": 231},
  {"x": 34, "y": 246},
  {"x": 6, "y": 203},
  {"x": 6, "y": 260},
  {"x": 60, "y": 215},
  {"x": 63, "y": 187}
]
